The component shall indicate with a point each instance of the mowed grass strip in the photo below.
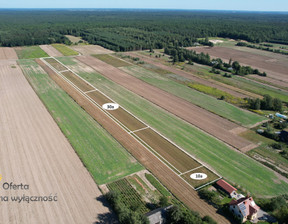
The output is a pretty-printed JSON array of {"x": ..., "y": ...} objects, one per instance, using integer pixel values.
[
  {"x": 111, "y": 60},
  {"x": 209, "y": 103},
  {"x": 103, "y": 156},
  {"x": 66, "y": 51},
  {"x": 232, "y": 165},
  {"x": 30, "y": 52}
]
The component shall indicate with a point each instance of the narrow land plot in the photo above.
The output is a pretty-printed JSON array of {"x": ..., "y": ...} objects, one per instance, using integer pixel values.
[
  {"x": 7, "y": 53},
  {"x": 169, "y": 153},
  {"x": 207, "y": 121},
  {"x": 176, "y": 184},
  {"x": 209, "y": 103},
  {"x": 116, "y": 62},
  {"x": 34, "y": 151},
  {"x": 190, "y": 76},
  {"x": 30, "y": 52},
  {"x": 66, "y": 51},
  {"x": 51, "y": 51},
  {"x": 234, "y": 166}
]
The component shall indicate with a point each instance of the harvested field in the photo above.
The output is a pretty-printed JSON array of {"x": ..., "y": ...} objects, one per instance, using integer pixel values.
[
  {"x": 275, "y": 68},
  {"x": 190, "y": 76},
  {"x": 7, "y": 53},
  {"x": 179, "y": 159},
  {"x": 34, "y": 151},
  {"x": 91, "y": 49},
  {"x": 77, "y": 81},
  {"x": 175, "y": 184},
  {"x": 207, "y": 121},
  {"x": 51, "y": 51},
  {"x": 116, "y": 62}
]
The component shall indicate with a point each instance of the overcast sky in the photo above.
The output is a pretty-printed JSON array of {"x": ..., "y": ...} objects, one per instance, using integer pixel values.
[{"x": 251, "y": 5}]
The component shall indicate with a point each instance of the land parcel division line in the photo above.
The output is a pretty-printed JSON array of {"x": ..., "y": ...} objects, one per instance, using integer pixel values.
[
  {"x": 168, "y": 152},
  {"x": 207, "y": 121},
  {"x": 174, "y": 182}
]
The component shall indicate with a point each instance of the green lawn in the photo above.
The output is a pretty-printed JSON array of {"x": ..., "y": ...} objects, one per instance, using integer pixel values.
[
  {"x": 30, "y": 52},
  {"x": 66, "y": 51},
  {"x": 219, "y": 107},
  {"x": 234, "y": 166},
  {"x": 103, "y": 156}
]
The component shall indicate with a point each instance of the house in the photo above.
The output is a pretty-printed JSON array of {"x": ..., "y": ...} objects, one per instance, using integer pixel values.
[
  {"x": 158, "y": 216},
  {"x": 244, "y": 208},
  {"x": 227, "y": 187}
]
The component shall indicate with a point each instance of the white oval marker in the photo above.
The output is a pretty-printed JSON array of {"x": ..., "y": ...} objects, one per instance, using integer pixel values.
[
  {"x": 198, "y": 176},
  {"x": 110, "y": 106}
]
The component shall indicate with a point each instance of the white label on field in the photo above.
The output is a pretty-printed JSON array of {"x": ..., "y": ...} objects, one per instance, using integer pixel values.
[
  {"x": 198, "y": 176},
  {"x": 110, "y": 106}
]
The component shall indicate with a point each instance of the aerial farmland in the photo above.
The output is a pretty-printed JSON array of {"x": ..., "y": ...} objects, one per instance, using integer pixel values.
[{"x": 114, "y": 123}]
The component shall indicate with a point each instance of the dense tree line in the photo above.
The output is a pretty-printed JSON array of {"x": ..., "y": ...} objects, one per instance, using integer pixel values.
[
  {"x": 182, "y": 54},
  {"x": 267, "y": 103},
  {"x": 264, "y": 47},
  {"x": 123, "y": 30}
]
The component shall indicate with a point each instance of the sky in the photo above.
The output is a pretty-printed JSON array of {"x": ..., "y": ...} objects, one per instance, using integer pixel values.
[{"x": 247, "y": 5}]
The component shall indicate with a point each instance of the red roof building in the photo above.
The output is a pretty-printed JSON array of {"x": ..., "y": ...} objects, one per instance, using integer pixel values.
[
  {"x": 226, "y": 187},
  {"x": 244, "y": 208}
]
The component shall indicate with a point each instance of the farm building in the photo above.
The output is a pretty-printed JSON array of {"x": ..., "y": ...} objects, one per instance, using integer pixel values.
[
  {"x": 244, "y": 209},
  {"x": 227, "y": 187},
  {"x": 158, "y": 216}
]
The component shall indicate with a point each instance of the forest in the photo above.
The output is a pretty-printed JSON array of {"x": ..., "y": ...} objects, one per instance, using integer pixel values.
[{"x": 124, "y": 30}]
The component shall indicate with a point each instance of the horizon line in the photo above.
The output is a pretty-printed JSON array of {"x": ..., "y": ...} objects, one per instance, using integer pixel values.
[{"x": 167, "y": 9}]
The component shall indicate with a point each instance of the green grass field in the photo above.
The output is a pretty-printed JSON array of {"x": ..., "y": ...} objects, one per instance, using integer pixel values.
[
  {"x": 111, "y": 60},
  {"x": 30, "y": 52},
  {"x": 219, "y": 107},
  {"x": 103, "y": 156},
  {"x": 66, "y": 51},
  {"x": 234, "y": 166}
]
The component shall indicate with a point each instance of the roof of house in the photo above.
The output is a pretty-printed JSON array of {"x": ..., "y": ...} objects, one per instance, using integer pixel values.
[
  {"x": 157, "y": 215},
  {"x": 227, "y": 187},
  {"x": 246, "y": 205}
]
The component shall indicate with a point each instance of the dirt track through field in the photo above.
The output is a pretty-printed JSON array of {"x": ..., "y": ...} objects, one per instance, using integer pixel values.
[
  {"x": 190, "y": 76},
  {"x": 34, "y": 151},
  {"x": 207, "y": 121},
  {"x": 7, "y": 53},
  {"x": 275, "y": 68},
  {"x": 50, "y": 50},
  {"x": 174, "y": 183}
]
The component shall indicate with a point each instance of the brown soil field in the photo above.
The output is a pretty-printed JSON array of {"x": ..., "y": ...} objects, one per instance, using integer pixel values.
[
  {"x": 180, "y": 160},
  {"x": 34, "y": 151},
  {"x": 55, "y": 64},
  {"x": 231, "y": 90},
  {"x": 91, "y": 49},
  {"x": 197, "y": 183},
  {"x": 7, "y": 53},
  {"x": 50, "y": 50},
  {"x": 120, "y": 114},
  {"x": 207, "y": 121},
  {"x": 275, "y": 68},
  {"x": 77, "y": 81},
  {"x": 171, "y": 180}
]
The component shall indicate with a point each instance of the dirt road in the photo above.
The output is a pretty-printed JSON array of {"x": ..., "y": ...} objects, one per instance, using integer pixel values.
[
  {"x": 207, "y": 121},
  {"x": 34, "y": 151}
]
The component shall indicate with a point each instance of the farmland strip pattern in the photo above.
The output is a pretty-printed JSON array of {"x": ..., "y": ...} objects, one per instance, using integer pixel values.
[{"x": 168, "y": 152}]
